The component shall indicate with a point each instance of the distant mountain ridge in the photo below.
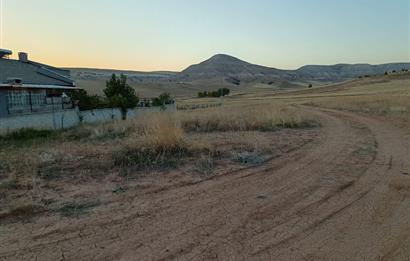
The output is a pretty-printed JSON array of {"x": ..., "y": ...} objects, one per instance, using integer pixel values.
[
  {"x": 346, "y": 71},
  {"x": 222, "y": 65}
]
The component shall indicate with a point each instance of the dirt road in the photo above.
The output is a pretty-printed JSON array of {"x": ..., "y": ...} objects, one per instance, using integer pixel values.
[{"x": 345, "y": 196}]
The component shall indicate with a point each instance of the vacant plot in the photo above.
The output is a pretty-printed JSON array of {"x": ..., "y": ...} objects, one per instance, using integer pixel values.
[
  {"x": 39, "y": 168},
  {"x": 318, "y": 175}
]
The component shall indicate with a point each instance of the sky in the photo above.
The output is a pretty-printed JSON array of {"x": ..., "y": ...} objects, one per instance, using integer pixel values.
[{"x": 149, "y": 35}]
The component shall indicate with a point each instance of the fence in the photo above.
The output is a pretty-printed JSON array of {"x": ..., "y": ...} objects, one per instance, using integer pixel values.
[{"x": 70, "y": 118}]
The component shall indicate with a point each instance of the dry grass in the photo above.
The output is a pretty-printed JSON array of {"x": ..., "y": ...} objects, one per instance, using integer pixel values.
[
  {"x": 235, "y": 118},
  {"x": 151, "y": 140},
  {"x": 34, "y": 165},
  {"x": 391, "y": 105}
]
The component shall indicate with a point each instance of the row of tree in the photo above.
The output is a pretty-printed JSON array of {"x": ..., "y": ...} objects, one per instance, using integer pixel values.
[
  {"x": 394, "y": 71},
  {"x": 118, "y": 94},
  {"x": 218, "y": 93}
]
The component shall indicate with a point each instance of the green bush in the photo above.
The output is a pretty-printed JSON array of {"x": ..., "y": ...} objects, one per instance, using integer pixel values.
[
  {"x": 162, "y": 99},
  {"x": 218, "y": 93},
  {"x": 88, "y": 102}
]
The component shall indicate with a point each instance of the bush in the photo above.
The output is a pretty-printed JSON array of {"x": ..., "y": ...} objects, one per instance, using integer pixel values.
[
  {"x": 88, "y": 102},
  {"x": 162, "y": 99},
  {"x": 218, "y": 93}
]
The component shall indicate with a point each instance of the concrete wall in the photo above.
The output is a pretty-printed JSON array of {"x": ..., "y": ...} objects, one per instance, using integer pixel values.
[
  {"x": 52, "y": 121},
  {"x": 69, "y": 118},
  {"x": 3, "y": 103}
]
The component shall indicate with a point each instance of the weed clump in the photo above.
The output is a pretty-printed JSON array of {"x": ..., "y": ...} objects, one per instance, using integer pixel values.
[
  {"x": 150, "y": 157},
  {"x": 74, "y": 209},
  {"x": 250, "y": 158},
  {"x": 159, "y": 143},
  {"x": 205, "y": 166}
]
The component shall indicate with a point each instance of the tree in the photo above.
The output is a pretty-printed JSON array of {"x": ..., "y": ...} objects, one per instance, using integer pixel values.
[
  {"x": 218, "y": 93},
  {"x": 120, "y": 94},
  {"x": 386, "y": 73},
  {"x": 310, "y": 85},
  {"x": 224, "y": 91},
  {"x": 163, "y": 99}
]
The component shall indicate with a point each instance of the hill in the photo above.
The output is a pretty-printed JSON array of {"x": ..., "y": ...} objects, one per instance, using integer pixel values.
[
  {"x": 222, "y": 65},
  {"x": 340, "y": 72},
  {"x": 225, "y": 66}
]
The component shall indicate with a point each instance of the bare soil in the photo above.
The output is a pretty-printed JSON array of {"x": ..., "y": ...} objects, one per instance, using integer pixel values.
[{"x": 343, "y": 196}]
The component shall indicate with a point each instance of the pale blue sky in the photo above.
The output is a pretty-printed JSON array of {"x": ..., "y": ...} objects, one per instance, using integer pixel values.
[{"x": 172, "y": 34}]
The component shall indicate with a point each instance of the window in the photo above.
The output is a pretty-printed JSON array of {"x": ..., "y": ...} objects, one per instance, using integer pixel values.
[
  {"x": 38, "y": 98},
  {"x": 18, "y": 99}
]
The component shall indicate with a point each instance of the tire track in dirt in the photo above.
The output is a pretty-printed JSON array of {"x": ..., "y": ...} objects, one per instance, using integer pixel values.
[{"x": 334, "y": 199}]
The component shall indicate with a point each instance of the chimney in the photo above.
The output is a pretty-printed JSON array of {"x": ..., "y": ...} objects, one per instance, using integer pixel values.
[{"x": 23, "y": 57}]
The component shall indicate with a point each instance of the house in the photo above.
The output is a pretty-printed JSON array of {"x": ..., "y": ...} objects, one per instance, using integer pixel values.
[{"x": 28, "y": 87}]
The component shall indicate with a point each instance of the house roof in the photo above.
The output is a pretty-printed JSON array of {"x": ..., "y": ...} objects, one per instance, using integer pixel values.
[{"x": 33, "y": 74}]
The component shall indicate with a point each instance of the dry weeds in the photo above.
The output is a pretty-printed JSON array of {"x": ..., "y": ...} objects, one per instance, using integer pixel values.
[{"x": 158, "y": 142}]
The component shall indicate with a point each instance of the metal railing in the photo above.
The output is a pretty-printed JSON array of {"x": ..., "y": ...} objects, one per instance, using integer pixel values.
[{"x": 50, "y": 104}]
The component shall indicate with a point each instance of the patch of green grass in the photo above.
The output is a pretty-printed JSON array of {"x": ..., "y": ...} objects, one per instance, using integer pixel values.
[
  {"x": 367, "y": 149},
  {"x": 119, "y": 190},
  {"x": 76, "y": 209},
  {"x": 27, "y": 134}
]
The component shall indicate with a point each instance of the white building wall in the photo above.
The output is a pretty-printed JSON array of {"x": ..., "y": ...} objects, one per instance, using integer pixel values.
[
  {"x": 50, "y": 121},
  {"x": 69, "y": 118}
]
